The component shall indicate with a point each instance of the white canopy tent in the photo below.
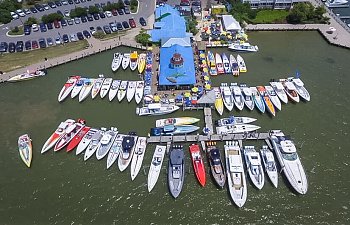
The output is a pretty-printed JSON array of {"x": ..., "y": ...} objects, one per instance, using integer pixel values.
[{"x": 230, "y": 23}]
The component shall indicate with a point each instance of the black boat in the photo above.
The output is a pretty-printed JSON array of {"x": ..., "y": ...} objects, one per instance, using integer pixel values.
[
  {"x": 176, "y": 170},
  {"x": 216, "y": 165}
]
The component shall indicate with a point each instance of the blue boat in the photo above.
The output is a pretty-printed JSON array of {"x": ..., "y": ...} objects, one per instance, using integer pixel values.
[
  {"x": 173, "y": 130},
  {"x": 258, "y": 99}
]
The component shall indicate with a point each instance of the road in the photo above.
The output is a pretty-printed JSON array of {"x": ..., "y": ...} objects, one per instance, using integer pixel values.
[{"x": 146, "y": 10}]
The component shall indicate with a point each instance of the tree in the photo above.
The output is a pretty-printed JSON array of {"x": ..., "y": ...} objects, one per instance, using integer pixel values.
[
  {"x": 319, "y": 11},
  {"x": 5, "y": 16},
  {"x": 93, "y": 9},
  {"x": 51, "y": 17},
  {"x": 120, "y": 4},
  {"x": 134, "y": 3},
  {"x": 143, "y": 38},
  {"x": 78, "y": 12},
  {"x": 31, "y": 21}
]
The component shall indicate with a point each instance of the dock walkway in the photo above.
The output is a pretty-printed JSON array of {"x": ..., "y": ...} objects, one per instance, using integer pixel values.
[{"x": 208, "y": 120}]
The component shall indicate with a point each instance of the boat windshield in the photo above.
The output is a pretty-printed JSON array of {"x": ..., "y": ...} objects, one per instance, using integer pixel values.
[{"x": 290, "y": 156}]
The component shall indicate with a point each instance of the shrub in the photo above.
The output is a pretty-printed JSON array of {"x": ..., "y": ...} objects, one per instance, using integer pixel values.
[{"x": 30, "y": 21}]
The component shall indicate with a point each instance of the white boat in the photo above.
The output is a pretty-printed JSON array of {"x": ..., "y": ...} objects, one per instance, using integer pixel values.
[
  {"x": 25, "y": 149},
  {"x": 126, "y": 60},
  {"x": 290, "y": 90},
  {"x": 232, "y": 120},
  {"x": 289, "y": 160},
  {"x": 236, "y": 180},
  {"x": 137, "y": 158},
  {"x": 133, "y": 60},
  {"x": 77, "y": 88},
  {"x": 139, "y": 91},
  {"x": 85, "y": 141},
  {"x": 336, "y": 3},
  {"x": 241, "y": 64},
  {"x": 279, "y": 89},
  {"x": 243, "y": 47},
  {"x": 128, "y": 148},
  {"x": 106, "y": 85},
  {"x": 115, "y": 150},
  {"x": 130, "y": 91},
  {"x": 176, "y": 121},
  {"x": 234, "y": 65},
  {"x": 87, "y": 87},
  {"x": 156, "y": 166},
  {"x": 227, "y": 96},
  {"x": 299, "y": 85},
  {"x": 226, "y": 63},
  {"x": 236, "y": 129},
  {"x": 27, "y": 75},
  {"x": 273, "y": 97},
  {"x": 106, "y": 142},
  {"x": 94, "y": 143},
  {"x": 254, "y": 166},
  {"x": 258, "y": 99},
  {"x": 122, "y": 90},
  {"x": 237, "y": 96},
  {"x": 116, "y": 62},
  {"x": 114, "y": 89},
  {"x": 269, "y": 164},
  {"x": 97, "y": 87},
  {"x": 67, "y": 87},
  {"x": 219, "y": 64},
  {"x": 248, "y": 96},
  {"x": 156, "y": 109}
]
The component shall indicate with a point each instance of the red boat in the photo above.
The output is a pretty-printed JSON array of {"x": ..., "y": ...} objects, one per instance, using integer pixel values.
[
  {"x": 69, "y": 134},
  {"x": 77, "y": 138},
  {"x": 198, "y": 164}
]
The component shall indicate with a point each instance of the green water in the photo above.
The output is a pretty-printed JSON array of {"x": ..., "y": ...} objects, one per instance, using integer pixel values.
[{"x": 60, "y": 188}]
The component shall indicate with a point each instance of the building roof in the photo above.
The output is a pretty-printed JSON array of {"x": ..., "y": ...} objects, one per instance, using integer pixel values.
[
  {"x": 230, "y": 23},
  {"x": 186, "y": 41},
  {"x": 184, "y": 75}
]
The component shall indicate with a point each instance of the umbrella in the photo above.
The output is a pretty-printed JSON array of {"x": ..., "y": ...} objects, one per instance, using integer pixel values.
[
  {"x": 156, "y": 98},
  {"x": 207, "y": 87},
  {"x": 206, "y": 78},
  {"x": 208, "y": 31},
  {"x": 194, "y": 89},
  {"x": 202, "y": 55},
  {"x": 205, "y": 70},
  {"x": 204, "y": 61},
  {"x": 187, "y": 94}
]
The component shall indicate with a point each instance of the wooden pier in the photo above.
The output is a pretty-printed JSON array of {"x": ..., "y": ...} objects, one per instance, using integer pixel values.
[{"x": 208, "y": 120}]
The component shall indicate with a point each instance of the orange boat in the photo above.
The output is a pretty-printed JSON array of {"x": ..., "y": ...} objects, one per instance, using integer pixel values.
[
  {"x": 267, "y": 100},
  {"x": 198, "y": 164}
]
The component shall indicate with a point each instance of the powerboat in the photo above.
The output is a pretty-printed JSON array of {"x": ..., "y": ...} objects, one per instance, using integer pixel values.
[
  {"x": 258, "y": 99},
  {"x": 115, "y": 150},
  {"x": 279, "y": 89},
  {"x": 67, "y": 87},
  {"x": 238, "y": 98},
  {"x": 198, "y": 165},
  {"x": 227, "y": 96},
  {"x": 219, "y": 103},
  {"x": 86, "y": 89},
  {"x": 241, "y": 64},
  {"x": 215, "y": 163},
  {"x": 176, "y": 121},
  {"x": 77, "y": 138},
  {"x": 290, "y": 90},
  {"x": 106, "y": 143},
  {"x": 85, "y": 141},
  {"x": 114, "y": 89},
  {"x": 243, "y": 47},
  {"x": 267, "y": 101},
  {"x": 232, "y": 120},
  {"x": 273, "y": 97},
  {"x": 254, "y": 166},
  {"x": 247, "y": 96},
  {"x": 28, "y": 75},
  {"x": 299, "y": 85},
  {"x": 234, "y": 66},
  {"x": 141, "y": 63},
  {"x": 156, "y": 166},
  {"x": 128, "y": 148},
  {"x": 130, "y": 92},
  {"x": 137, "y": 158},
  {"x": 126, "y": 60},
  {"x": 139, "y": 91},
  {"x": 236, "y": 129},
  {"x": 97, "y": 87},
  {"x": 77, "y": 88},
  {"x": 269, "y": 164},
  {"x": 236, "y": 180},
  {"x": 133, "y": 60},
  {"x": 226, "y": 63},
  {"x": 122, "y": 90},
  {"x": 219, "y": 64},
  {"x": 289, "y": 160},
  {"x": 70, "y": 132},
  {"x": 176, "y": 170},
  {"x": 25, "y": 149},
  {"x": 94, "y": 143},
  {"x": 173, "y": 130},
  {"x": 116, "y": 62},
  {"x": 336, "y": 3},
  {"x": 106, "y": 85},
  {"x": 155, "y": 109},
  {"x": 212, "y": 64}
]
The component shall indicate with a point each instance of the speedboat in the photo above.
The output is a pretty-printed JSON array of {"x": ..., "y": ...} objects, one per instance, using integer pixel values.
[
  {"x": 336, "y": 3},
  {"x": 106, "y": 85},
  {"x": 115, "y": 150},
  {"x": 85, "y": 141},
  {"x": 122, "y": 90},
  {"x": 290, "y": 90},
  {"x": 236, "y": 181},
  {"x": 141, "y": 63},
  {"x": 106, "y": 143},
  {"x": 254, "y": 167},
  {"x": 212, "y": 64},
  {"x": 247, "y": 96},
  {"x": 219, "y": 64},
  {"x": 130, "y": 91},
  {"x": 227, "y": 96},
  {"x": 70, "y": 132},
  {"x": 299, "y": 85},
  {"x": 155, "y": 109},
  {"x": 173, "y": 130},
  {"x": 67, "y": 87},
  {"x": 279, "y": 89},
  {"x": 226, "y": 63},
  {"x": 133, "y": 60},
  {"x": 289, "y": 160},
  {"x": 156, "y": 166},
  {"x": 59, "y": 132},
  {"x": 243, "y": 47},
  {"x": 258, "y": 99},
  {"x": 267, "y": 101},
  {"x": 234, "y": 66},
  {"x": 25, "y": 149},
  {"x": 86, "y": 89},
  {"x": 114, "y": 89},
  {"x": 232, "y": 120},
  {"x": 241, "y": 64},
  {"x": 94, "y": 143},
  {"x": 273, "y": 97},
  {"x": 77, "y": 88},
  {"x": 27, "y": 75},
  {"x": 77, "y": 138},
  {"x": 215, "y": 163},
  {"x": 176, "y": 121},
  {"x": 238, "y": 98},
  {"x": 128, "y": 147},
  {"x": 116, "y": 62},
  {"x": 236, "y": 129},
  {"x": 269, "y": 164},
  {"x": 219, "y": 104},
  {"x": 197, "y": 162},
  {"x": 137, "y": 158},
  {"x": 97, "y": 87},
  {"x": 139, "y": 91},
  {"x": 176, "y": 170},
  {"x": 126, "y": 60}
]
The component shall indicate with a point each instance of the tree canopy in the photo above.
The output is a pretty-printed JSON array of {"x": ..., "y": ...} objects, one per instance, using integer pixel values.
[
  {"x": 143, "y": 38},
  {"x": 51, "y": 17},
  {"x": 305, "y": 12}
]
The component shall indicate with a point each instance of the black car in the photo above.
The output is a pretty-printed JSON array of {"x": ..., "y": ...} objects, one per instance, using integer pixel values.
[
  {"x": 12, "y": 47},
  {"x": 86, "y": 34},
  {"x": 80, "y": 36},
  {"x": 60, "y": 12},
  {"x": 70, "y": 2},
  {"x": 19, "y": 46},
  {"x": 42, "y": 43},
  {"x": 28, "y": 45},
  {"x": 27, "y": 29},
  {"x": 63, "y": 22},
  {"x": 127, "y": 10},
  {"x": 51, "y": 4},
  {"x": 83, "y": 19},
  {"x": 103, "y": 5},
  {"x": 58, "y": 3},
  {"x": 102, "y": 15},
  {"x": 119, "y": 26},
  {"x": 96, "y": 16},
  {"x": 143, "y": 21},
  {"x": 49, "y": 41},
  {"x": 65, "y": 38},
  {"x": 43, "y": 27},
  {"x": 76, "y": 1},
  {"x": 125, "y": 25},
  {"x": 33, "y": 9},
  {"x": 49, "y": 26},
  {"x": 114, "y": 12},
  {"x": 39, "y": 7},
  {"x": 120, "y": 11},
  {"x": 99, "y": 29},
  {"x": 107, "y": 29},
  {"x": 3, "y": 46},
  {"x": 89, "y": 17},
  {"x": 126, "y": 2}
]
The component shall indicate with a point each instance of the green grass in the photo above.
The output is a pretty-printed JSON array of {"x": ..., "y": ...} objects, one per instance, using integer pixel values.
[
  {"x": 12, "y": 61},
  {"x": 271, "y": 16},
  {"x": 20, "y": 31},
  {"x": 102, "y": 36}
]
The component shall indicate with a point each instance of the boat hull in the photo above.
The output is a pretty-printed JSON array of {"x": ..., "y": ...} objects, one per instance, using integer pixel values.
[
  {"x": 156, "y": 166},
  {"x": 197, "y": 163}
]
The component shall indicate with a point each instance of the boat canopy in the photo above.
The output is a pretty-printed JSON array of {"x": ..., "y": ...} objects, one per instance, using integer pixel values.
[
  {"x": 278, "y": 85},
  {"x": 254, "y": 158},
  {"x": 298, "y": 82},
  {"x": 288, "y": 146},
  {"x": 176, "y": 157},
  {"x": 154, "y": 106},
  {"x": 290, "y": 85}
]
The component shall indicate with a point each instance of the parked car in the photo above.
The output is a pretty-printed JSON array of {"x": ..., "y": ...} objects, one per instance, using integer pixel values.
[
  {"x": 132, "y": 23},
  {"x": 49, "y": 41},
  {"x": 43, "y": 27},
  {"x": 99, "y": 29},
  {"x": 46, "y": 7},
  {"x": 73, "y": 37},
  {"x": 80, "y": 36},
  {"x": 89, "y": 17},
  {"x": 119, "y": 26},
  {"x": 92, "y": 30},
  {"x": 120, "y": 11},
  {"x": 3, "y": 46},
  {"x": 63, "y": 23},
  {"x": 35, "y": 27},
  {"x": 58, "y": 40},
  {"x": 106, "y": 29},
  {"x": 70, "y": 21},
  {"x": 27, "y": 29},
  {"x": 76, "y": 20},
  {"x": 96, "y": 16},
  {"x": 83, "y": 19},
  {"x": 39, "y": 7},
  {"x": 20, "y": 13},
  {"x": 33, "y": 9},
  {"x": 26, "y": 11},
  {"x": 102, "y": 15},
  {"x": 64, "y": 2},
  {"x": 65, "y": 38},
  {"x": 125, "y": 25},
  {"x": 51, "y": 4},
  {"x": 113, "y": 26},
  {"x": 49, "y": 26},
  {"x": 58, "y": 3},
  {"x": 126, "y": 2},
  {"x": 66, "y": 13},
  {"x": 14, "y": 15},
  {"x": 114, "y": 12},
  {"x": 86, "y": 34},
  {"x": 19, "y": 46},
  {"x": 60, "y": 12},
  {"x": 42, "y": 43},
  {"x": 12, "y": 47},
  {"x": 127, "y": 10},
  {"x": 35, "y": 44},
  {"x": 108, "y": 14},
  {"x": 76, "y": 1},
  {"x": 28, "y": 45},
  {"x": 143, "y": 21},
  {"x": 70, "y": 2}
]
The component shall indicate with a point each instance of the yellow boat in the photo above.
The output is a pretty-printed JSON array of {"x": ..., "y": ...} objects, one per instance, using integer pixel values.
[
  {"x": 141, "y": 62},
  {"x": 133, "y": 60},
  {"x": 25, "y": 149},
  {"x": 219, "y": 103}
]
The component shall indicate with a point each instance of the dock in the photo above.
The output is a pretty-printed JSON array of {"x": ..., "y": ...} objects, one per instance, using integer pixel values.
[{"x": 208, "y": 120}]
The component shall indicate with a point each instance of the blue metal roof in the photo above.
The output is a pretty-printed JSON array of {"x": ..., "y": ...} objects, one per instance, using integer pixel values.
[{"x": 184, "y": 75}]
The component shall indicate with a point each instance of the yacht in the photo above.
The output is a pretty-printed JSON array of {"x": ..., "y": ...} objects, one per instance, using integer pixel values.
[
  {"x": 254, "y": 166},
  {"x": 227, "y": 96}
]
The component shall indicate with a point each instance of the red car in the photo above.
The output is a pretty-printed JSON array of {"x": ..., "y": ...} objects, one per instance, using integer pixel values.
[
  {"x": 56, "y": 23},
  {"x": 132, "y": 23},
  {"x": 35, "y": 45}
]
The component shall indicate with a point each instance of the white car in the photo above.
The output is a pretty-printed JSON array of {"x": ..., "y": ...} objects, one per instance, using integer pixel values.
[
  {"x": 66, "y": 13},
  {"x": 64, "y": 2},
  {"x": 20, "y": 12},
  {"x": 58, "y": 41},
  {"x": 73, "y": 37},
  {"x": 108, "y": 14},
  {"x": 35, "y": 27},
  {"x": 14, "y": 15}
]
